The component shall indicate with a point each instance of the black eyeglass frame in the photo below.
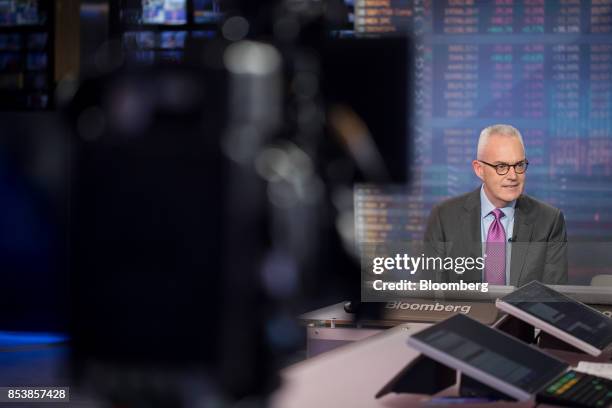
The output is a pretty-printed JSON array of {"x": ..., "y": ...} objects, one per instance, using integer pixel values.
[{"x": 497, "y": 170}]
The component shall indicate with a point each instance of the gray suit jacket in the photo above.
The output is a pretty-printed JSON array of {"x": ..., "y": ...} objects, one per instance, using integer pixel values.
[{"x": 539, "y": 247}]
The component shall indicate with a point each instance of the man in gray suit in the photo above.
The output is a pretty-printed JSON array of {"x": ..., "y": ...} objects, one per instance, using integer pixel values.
[{"x": 520, "y": 238}]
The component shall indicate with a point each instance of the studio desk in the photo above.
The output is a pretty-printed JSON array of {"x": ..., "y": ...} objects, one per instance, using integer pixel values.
[{"x": 350, "y": 362}]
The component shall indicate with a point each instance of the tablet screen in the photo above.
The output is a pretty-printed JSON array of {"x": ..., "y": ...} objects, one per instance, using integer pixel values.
[
  {"x": 493, "y": 352},
  {"x": 563, "y": 313}
]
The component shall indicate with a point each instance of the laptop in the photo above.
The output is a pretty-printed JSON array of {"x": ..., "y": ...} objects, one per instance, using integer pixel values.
[
  {"x": 508, "y": 365},
  {"x": 561, "y": 316}
]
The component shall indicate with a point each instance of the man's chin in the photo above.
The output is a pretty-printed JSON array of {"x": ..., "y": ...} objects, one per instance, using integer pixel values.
[{"x": 511, "y": 197}]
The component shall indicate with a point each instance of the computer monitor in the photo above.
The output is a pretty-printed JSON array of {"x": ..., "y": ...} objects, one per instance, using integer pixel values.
[
  {"x": 561, "y": 316},
  {"x": 207, "y": 11},
  {"x": 26, "y": 49},
  {"x": 170, "y": 12},
  {"x": 19, "y": 13}
]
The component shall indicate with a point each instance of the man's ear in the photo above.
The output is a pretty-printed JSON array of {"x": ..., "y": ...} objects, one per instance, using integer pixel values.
[{"x": 478, "y": 170}]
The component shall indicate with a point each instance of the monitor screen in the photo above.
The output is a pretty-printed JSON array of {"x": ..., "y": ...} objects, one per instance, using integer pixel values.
[
  {"x": 10, "y": 42},
  {"x": 492, "y": 352},
  {"x": 169, "y": 12},
  {"x": 141, "y": 58},
  {"x": 564, "y": 313},
  {"x": 172, "y": 39},
  {"x": 19, "y": 12},
  {"x": 37, "y": 41},
  {"x": 35, "y": 80},
  {"x": 139, "y": 40},
  {"x": 36, "y": 61},
  {"x": 207, "y": 11},
  {"x": 203, "y": 34},
  {"x": 10, "y": 62},
  {"x": 170, "y": 57},
  {"x": 37, "y": 100}
]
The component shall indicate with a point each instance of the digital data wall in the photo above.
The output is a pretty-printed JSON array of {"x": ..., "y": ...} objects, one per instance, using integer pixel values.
[{"x": 542, "y": 66}]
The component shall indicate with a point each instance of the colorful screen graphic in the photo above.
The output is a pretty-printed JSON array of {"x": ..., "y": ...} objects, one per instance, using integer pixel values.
[
  {"x": 164, "y": 12},
  {"x": 19, "y": 12}
]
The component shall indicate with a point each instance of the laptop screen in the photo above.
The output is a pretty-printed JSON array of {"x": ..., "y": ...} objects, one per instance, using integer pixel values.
[
  {"x": 563, "y": 313},
  {"x": 493, "y": 352}
]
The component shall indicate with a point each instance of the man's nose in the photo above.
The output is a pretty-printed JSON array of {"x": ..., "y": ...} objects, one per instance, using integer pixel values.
[{"x": 512, "y": 173}]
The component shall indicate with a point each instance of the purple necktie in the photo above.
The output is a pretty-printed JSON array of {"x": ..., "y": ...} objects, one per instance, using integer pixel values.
[{"x": 495, "y": 261}]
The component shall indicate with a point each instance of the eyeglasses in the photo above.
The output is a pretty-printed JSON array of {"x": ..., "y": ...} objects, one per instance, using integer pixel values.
[{"x": 503, "y": 168}]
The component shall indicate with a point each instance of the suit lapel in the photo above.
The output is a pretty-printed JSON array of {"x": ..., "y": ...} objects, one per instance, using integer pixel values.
[
  {"x": 471, "y": 224},
  {"x": 523, "y": 227}
]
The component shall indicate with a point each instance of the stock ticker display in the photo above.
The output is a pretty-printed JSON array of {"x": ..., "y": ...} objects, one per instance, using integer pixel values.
[{"x": 542, "y": 66}]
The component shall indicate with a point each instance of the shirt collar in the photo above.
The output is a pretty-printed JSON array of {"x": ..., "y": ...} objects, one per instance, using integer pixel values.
[{"x": 486, "y": 206}]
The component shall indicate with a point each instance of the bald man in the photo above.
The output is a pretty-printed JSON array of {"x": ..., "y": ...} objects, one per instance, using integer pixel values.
[{"x": 520, "y": 238}]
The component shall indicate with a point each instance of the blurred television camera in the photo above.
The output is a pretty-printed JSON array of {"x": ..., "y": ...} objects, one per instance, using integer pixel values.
[{"x": 212, "y": 200}]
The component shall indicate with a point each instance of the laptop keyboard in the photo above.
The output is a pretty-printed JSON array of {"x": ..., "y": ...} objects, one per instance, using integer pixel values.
[{"x": 576, "y": 389}]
